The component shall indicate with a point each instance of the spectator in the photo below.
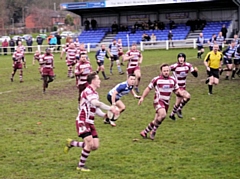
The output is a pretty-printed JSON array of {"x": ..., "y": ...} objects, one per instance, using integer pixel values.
[
  {"x": 87, "y": 24},
  {"x": 133, "y": 30},
  {"x": 153, "y": 37},
  {"x": 170, "y": 38},
  {"x": 224, "y": 31},
  {"x": 18, "y": 40},
  {"x": 53, "y": 42},
  {"x": 114, "y": 27},
  {"x": 39, "y": 40},
  {"x": 5, "y": 45},
  {"x": 172, "y": 24},
  {"x": 94, "y": 24},
  {"x": 145, "y": 37},
  {"x": 29, "y": 44},
  {"x": 58, "y": 41},
  {"x": 161, "y": 25},
  {"x": 12, "y": 45}
]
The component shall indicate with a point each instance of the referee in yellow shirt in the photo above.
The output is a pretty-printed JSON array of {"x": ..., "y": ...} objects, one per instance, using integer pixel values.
[{"x": 213, "y": 62}]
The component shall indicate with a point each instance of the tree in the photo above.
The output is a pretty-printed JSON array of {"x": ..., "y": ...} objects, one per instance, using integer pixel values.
[{"x": 69, "y": 20}]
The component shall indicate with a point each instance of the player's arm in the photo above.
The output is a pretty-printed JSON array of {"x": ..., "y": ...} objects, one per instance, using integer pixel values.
[
  {"x": 102, "y": 105},
  {"x": 100, "y": 113},
  {"x": 96, "y": 55},
  {"x": 77, "y": 71},
  {"x": 194, "y": 71},
  {"x": 109, "y": 51},
  {"x": 113, "y": 98},
  {"x": 140, "y": 59},
  {"x": 205, "y": 62},
  {"x": 145, "y": 93},
  {"x": 62, "y": 52},
  {"x": 135, "y": 95}
]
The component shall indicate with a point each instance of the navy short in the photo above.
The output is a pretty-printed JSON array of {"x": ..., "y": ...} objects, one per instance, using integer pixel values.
[
  {"x": 227, "y": 61},
  {"x": 236, "y": 61},
  {"x": 220, "y": 48},
  {"x": 200, "y": 47},
  {"x": 213, "y": 72},
  {"x": 109, "y": 98},
  {"x": 101, "y": 63},
  {"x": 114, "y": 58}
]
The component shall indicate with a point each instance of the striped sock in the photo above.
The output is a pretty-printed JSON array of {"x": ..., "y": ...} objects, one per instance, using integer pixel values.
[
  {"x": 78, "y": 144},
  {"x": 149, "y": 127},
  {"x": 175, "y": 108},
  {"x": 83, "y": 158}
]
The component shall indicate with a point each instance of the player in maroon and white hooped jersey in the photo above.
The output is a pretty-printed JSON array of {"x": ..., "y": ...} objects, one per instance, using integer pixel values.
[
  {"x": 71, "y": 59},
  {"x": 89, "y": 107},
  {"x": 120, "y": 51},
  {"x": 36, "y": 57},
  {"x": 83, "y": 50},
  {"x": 23, "y": 49},
  {"x": 17, "y": 64},
  {"x": 77, "y": 43},
  {"x": 82, "y": 69},
  {"x": 163, "y": 85},
  {"x": 134, "y": 58},
  {"x": 47, "y": 68},
  {"x": 180, "y": 71},
  {"x": 65, "y": 49}
]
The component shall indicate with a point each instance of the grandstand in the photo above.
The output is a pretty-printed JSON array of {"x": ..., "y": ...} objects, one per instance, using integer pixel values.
[{"x": 215, "y": 12}]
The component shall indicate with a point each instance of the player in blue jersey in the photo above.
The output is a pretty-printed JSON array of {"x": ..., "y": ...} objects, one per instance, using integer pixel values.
[
  {"x": 228, "y": 55},
  {"x": 113, "y": 52},
  {"x": 121, "y": 89},
  {"x": 100, "y": 55}
]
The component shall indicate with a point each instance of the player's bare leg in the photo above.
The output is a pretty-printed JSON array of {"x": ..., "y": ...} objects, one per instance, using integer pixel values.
[
  {"x": 138, "y": 78},
  {"x": 119, "y": 68},
  {"x": 21, "y": 75},
  {"x": 111, "y": 66},
  {"x": 13, "y": 73}
]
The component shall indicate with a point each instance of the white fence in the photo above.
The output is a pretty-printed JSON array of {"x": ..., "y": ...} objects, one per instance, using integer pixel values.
[{"x": 143, "y": 46}]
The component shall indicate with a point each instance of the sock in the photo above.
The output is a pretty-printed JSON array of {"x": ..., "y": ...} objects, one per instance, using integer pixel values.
[
  {"x": 234, "y": 72},
  {"x": 210, "y": 88},
  {"x": 175, "y": 108},
  {"x": 110, "y": 70},
  {"x": 149, "y": 127},
  {"x": 156, "y": 127},
  {"x": 78, "y": 144},
  {"x": 182, "y": 104},
  {"x": 119, "y": 69},
  {"x": 83, "y": 158},
  {"x": 198, "y": 54},
  {"x": 103, "y": 73},
  {"x": 97, "y": 71}
]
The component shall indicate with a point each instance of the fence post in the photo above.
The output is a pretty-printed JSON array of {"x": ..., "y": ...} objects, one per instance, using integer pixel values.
[
  {"x": 167, "y": 45},
  {"x": 141, "y": 46},
  {"x": 88, "y": 47},
  {"x": 194, "y": 43}
]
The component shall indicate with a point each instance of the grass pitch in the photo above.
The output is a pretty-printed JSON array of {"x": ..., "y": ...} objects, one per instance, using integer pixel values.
[{"x": 203, "y": 145}]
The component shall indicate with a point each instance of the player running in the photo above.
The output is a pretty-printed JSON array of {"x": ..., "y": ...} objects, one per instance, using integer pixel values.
[{"x": 180, "y": 71}]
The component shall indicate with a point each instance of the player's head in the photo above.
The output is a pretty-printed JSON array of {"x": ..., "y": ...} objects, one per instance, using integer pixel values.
[
  {"x": 83, "y": 57},
  {"x": 181, "y": 58},
  {"x": 119, "y": 40},
  {"x": 19, "y": 43},
  {"x": 93, "y": 79},
  {"x": 131, "y": 79},
  {"x": 72, "y": 46},
  {"x": 37, "y": 52},
  {"x": 215, "y": 48},
  {"x": 134, "y": 46},
  {"x": 82, "y": 46},
  {"x": 114, "y": 41},
  {"x": 233, "y": 43},
  {"x": 201, "y": 34},
  {"x": 164, "y": 68},
  {"x": 48, "y": 51},
  {"x": 103, "y": 47}
]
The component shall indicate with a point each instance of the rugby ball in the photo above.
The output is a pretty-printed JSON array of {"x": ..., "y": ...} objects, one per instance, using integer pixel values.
[{"x": 111, "y": 116}]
